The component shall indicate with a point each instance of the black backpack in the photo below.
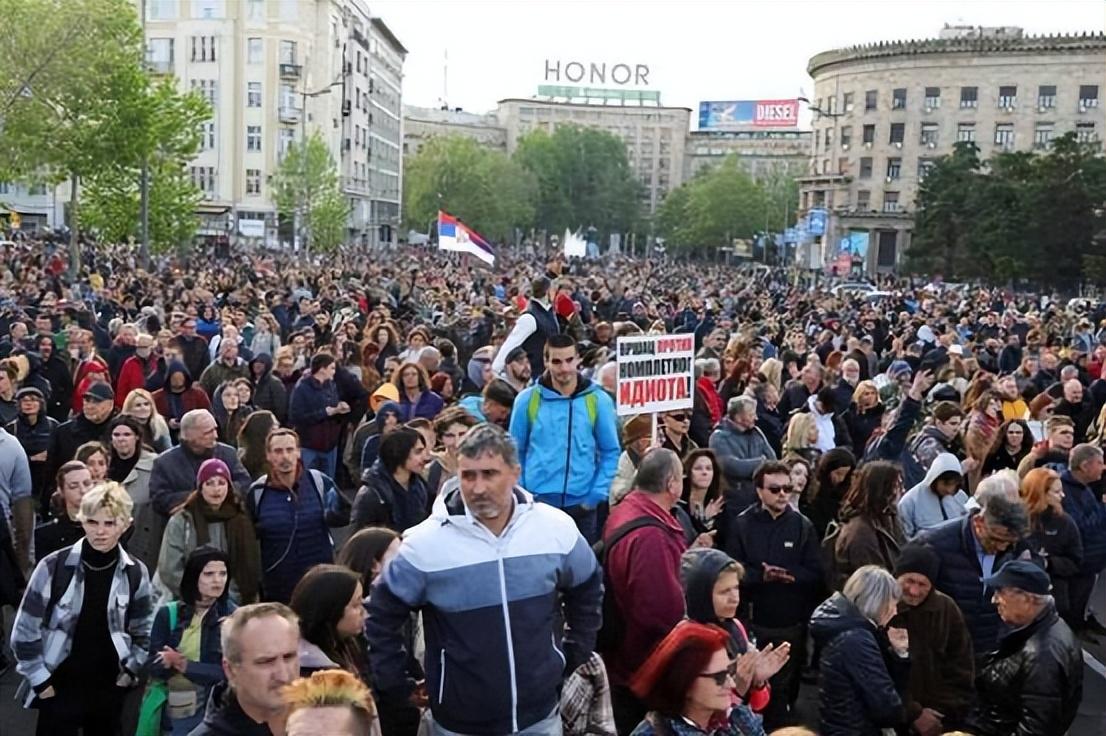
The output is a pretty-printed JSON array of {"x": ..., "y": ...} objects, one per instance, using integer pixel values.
[{"x": 613, "y": 628}]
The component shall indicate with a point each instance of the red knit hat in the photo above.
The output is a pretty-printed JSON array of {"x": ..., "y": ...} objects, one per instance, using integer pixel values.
[{"x": 212, "y": 468}]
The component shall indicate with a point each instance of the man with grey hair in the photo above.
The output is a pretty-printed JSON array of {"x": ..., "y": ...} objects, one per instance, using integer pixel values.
[
  {"x": 740, "y": 447},
  {"x": 174, "y": 473},
  {"x": 491, "y": 571},
  {"x": 970, "y": 549},
  {"x": 1085, "y": 507},
  {"x": 1033, "y": 683},
  {"x": 642, "y": 576},
  {"x": 1075, "y": 404}
]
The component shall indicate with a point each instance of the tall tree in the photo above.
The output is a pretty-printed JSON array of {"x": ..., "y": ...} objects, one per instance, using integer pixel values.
[
  {"x": 720, "y": 204},
  {"x": 167, "y": 139},
  {"x": 484, "y": 188},
  {"x": 306, "y": 187},
  {"x": 70, "y": 72},
  {"x": 584, "y": 179}
]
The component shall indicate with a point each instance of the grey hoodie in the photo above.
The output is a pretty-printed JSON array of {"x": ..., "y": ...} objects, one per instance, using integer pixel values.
[{"x": 920, "y": 509}]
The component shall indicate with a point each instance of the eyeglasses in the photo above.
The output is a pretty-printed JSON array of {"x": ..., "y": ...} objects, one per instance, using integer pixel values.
[
  {"x": 779, "y": 489},
  {"x": 722, "y": 676},
  {"x": 679, "y": 417}
]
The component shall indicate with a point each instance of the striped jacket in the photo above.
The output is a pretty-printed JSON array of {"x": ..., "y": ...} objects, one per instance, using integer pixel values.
[
  {"x": 488, "y": 603},
  {"x": 40, "y": 646}
]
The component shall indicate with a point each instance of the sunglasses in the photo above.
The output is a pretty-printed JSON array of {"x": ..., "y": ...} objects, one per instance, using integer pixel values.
[
  {"x": 722, "y": 676},
  {"x": 679, "y": 417},
  {"x": 778, "y": 489}
]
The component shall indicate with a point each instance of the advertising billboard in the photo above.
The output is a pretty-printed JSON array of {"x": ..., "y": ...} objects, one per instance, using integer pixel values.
[{"x": 732, "y": 114}]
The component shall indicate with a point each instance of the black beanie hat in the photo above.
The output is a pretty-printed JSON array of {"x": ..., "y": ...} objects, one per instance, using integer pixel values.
[{"x": 920, "y": 559}]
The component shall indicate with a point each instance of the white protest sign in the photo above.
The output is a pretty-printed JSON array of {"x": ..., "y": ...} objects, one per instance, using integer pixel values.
[{"x": 655, "y": 373}]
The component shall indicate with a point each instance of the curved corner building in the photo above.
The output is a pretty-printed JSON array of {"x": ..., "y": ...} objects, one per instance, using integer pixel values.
[{"x": 883, "y": 112}]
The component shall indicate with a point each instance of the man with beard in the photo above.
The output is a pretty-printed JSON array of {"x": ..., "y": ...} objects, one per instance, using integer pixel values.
[
  {"x": 54, "y": 369},
  {"x": 517, "y": 369}
]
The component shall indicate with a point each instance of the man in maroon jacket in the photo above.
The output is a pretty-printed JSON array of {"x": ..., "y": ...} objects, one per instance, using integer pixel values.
[{"x": 643, "y": 569}]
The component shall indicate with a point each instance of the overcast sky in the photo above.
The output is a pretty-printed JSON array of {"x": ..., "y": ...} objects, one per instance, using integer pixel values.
[{"x": 695, "y": 49}]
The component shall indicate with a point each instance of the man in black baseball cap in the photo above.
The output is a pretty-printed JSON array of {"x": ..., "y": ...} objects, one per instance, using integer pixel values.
[
  {"x": 517, "y": 371},
  {"x": 1033, "y": 682}
]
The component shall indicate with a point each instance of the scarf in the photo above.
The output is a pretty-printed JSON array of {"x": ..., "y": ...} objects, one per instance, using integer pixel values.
[{"x": 245, "y": 555}]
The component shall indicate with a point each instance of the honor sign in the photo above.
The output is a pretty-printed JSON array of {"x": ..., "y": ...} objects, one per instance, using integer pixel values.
[{"x": 594, "y": 73}]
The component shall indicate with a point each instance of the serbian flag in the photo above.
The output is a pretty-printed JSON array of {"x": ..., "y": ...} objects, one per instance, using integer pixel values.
[{"x": 455, "y": 235}]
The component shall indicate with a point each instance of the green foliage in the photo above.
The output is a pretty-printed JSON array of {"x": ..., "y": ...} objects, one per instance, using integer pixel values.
[
  {"x": 1006, "y": 218},
  {"x": 720, "y": 204},
  {"x": 484, "y": 188},
  {"x": 584, "y": 179},
  {"x": 306, "y": 186}
]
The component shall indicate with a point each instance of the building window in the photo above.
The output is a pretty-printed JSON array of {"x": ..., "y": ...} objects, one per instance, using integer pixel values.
[
  {"x": 1042, "y": 134},
  {"x": 1086, "y": 133},
  {"x": 846, "y": 136},
  {"x": 1046, "y": 97},
  {"x": 207, "y": 136},
  {"x": 965, "y": 133},
  {"x": 829, "y": 137},
  {"x": 929, "y": 134},
  {"x": 933, "y": 98},
  {"x": 863, "y": 199},
  {"x": 969, "y": 97},
  {"x": 206, "y": 88},
  {"x": 287, "y": 52},
  {"x": 256, "y": 9},
  {"x": 898, "y": 98},
  {"x": 898, "y": 133},
  {"x": 1088, "y": 95},
  {"x": 161, "y": 9},
  {"x": 253, "y": 181},
  {"x": 869, "y": 134},
  {"x": 890, "y": 201},
  {"x": 36, "y": 190},
  {"x": 925, "y": 165},
  {"x": 253, "y": 94},
  {"x": 204, "y": 179},
  {"x": 253, "y": 137},
  {"x": 871, "y": 99},
  {"x": 1004, "y": 135},
  {"x": 208, "y": 9},
  {"x": 848, "y": 102},
  {"x": 866, "y": 167},
  {"x": 1007, "y": 96},
  {"x": 203, "y": 48},
  {"x": 894, "y": 168},
  {"x": 159, "y": 55},
  {"x": 843, "y": 165},
  {"x": 287, "y": 138},
  {"x": 255, "y": 51}
]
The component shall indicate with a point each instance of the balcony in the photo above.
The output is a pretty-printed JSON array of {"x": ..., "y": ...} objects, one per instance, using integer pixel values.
[
  {"x": 290, "y": 71},
  {"x": 290, "y": 114}
]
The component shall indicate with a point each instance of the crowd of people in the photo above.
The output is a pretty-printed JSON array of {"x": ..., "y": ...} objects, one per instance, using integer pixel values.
[{"x": 276, "y": 496}]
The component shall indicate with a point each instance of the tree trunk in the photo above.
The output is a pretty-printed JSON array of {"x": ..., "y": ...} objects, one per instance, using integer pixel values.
[{"x": 74, "y": 229}]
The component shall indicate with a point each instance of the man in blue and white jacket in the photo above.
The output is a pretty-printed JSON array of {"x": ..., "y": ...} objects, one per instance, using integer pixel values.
[
  {"x": 567, "y": 436},
  {"x": 488, "y": 570}
]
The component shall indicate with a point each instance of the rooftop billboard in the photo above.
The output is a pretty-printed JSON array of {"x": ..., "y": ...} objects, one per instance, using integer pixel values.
[{"x": 734, "y": 114}]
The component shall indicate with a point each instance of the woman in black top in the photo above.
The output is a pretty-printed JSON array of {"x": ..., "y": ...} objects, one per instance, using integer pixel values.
[{"x": 1013, "y": 441}]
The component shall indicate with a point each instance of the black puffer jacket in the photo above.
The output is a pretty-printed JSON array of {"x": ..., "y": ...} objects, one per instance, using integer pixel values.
[
  {"x": 1033, "y": 684},
  {"x": 863, "y": 682},
  {"x": 382, "y": 501}
]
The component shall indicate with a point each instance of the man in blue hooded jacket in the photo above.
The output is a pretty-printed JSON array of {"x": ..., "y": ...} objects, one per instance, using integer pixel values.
[{"x": 567, "y": 437}]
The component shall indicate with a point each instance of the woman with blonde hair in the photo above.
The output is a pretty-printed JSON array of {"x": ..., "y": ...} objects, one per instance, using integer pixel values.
[
  {"x": 865, "y": 414},
  {"x": 155, "y": 432},
  {"x": 772, "y": 370},
  {"x": 1053, "y": 535},
  {"x": 266, "y": 336},
  {"x": 802, "y": 437}
]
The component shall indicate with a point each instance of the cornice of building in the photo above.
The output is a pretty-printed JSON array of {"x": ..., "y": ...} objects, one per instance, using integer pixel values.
[{"x": 1049, "y": 44}]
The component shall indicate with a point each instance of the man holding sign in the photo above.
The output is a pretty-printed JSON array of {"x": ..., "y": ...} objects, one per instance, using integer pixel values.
[{"x": 567, "y": 437}]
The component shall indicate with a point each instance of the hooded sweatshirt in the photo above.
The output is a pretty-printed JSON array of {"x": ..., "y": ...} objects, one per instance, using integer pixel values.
[
  {"x": 268, "y": 392},
  {"x": 921, "y": 508}
]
